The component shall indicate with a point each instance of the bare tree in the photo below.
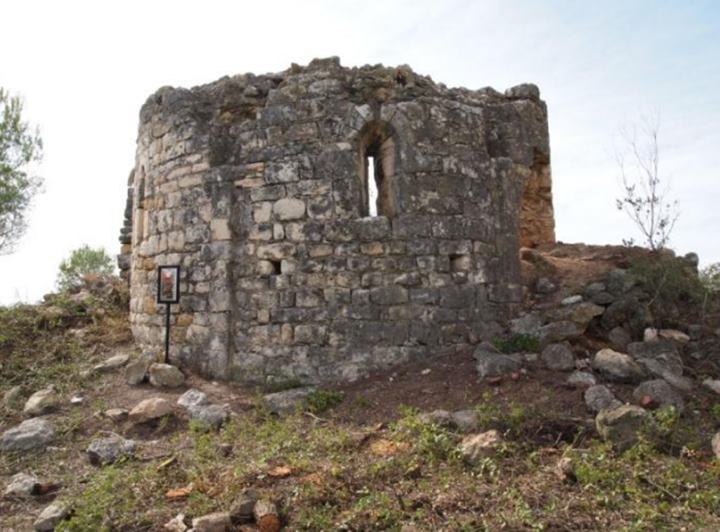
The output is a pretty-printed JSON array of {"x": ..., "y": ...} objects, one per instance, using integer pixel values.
[{"x": 646, "y": 193}]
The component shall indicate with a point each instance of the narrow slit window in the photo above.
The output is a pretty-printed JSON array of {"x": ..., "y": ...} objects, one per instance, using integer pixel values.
[{"x": 372, "y": 187}]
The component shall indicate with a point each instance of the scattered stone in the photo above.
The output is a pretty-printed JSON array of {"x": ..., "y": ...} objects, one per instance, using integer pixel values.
[
  {"x": 558, "y": 357},
  {"x": 650, "y": 334},
  {"x": 678, "y": 381},
  {"x": 136, "y": 371},
  {"x": 713, "y": 385},
  {"x": 564, "y": 470},
  {"x": 580, "y": 379},
  {"x": 13, "y": 398},
  {"x": 287, "y": 401},
  {"x": 618, "y": 281},
  {"x": 442, "y": 418},
  {"x": 529, "y": 323},
  {"x": 217, "y": 522},
  {"x": 30, "y": 434},
  {"x": 619, "y": 338},
  {"x": 465, "y": 420},
  {"x": 477, "y": 446},
  {"x": 660, "y": 394},
  {"x": 209, "y": 416},
  {"x": 617, "y": 367},
  {"x": 51, "y": 516},
  {"x": 116, "y": 414},
  {"x": 243, "y": 507},
  {"x": 530, "y": 358},
  {"x": 21, "y": 485},
  {"x": 108, "y": 450},
  {"x": 674, "y": 335},
  {"x": 192, "y": 397},
  {"x": 42, "y": 402},
  {"x": 599, "y": 397},
  {"x": 620, "y": 426},
  {"x": 495, "y": 364},
  {"x": 176, "y": 524},
  {"x": 558, "y": 331},
  {"x": 150, "y": 409},
  {"x": 657, "y": 357},
  {"x": 76, "y": 400},
  {"x": 626, "y": 311},
  {"x": 266, "y": 516},
  {"x": 111, "y": 364},
  {"x": 571, "y": 300},
  {"x": 544, "y": 286},
  {"x": 716, "y": 445},
  {"x": 165, "y": 376}
]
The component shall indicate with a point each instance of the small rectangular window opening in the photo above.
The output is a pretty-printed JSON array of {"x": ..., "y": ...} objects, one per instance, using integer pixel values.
[
  {"x": 372, "y": 187},
  {"x": 276, "y": 266}
]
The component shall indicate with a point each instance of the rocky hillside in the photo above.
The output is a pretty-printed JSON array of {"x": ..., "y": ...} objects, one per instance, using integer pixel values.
[{"x": 596, "y": 409}]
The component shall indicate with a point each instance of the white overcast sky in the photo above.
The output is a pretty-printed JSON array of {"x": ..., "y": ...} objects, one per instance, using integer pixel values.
[{"x": 85, "y": 68}]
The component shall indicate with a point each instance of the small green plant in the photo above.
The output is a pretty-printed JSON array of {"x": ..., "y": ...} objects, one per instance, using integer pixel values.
[
  {"x": 517, "y": 343},
  {"x": 320, "y": 401},
  {"x": 83, "y": 261}
]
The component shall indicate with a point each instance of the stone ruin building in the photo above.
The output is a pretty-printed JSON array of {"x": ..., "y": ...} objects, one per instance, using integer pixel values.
[{"x": 329, "y": 220}]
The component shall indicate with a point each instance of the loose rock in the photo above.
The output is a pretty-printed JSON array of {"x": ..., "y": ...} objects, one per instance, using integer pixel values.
[
  {"x": 192, "y": 397},
  {"x": 21, "y": 486},
  {"x": 477, "y": 446},
  {"x": 713, "y": 385},
  {"x": 150, "y": 409},
  {"x": 13, "y": 398},
  {"x": 243, "y": 507},
  {"x": 116, "y": 414},
  {"x": 165, "y": 376},
  {"x": 32, "y": 433},
  {"x": 136, "y": 371},
  {"x": 558, "y": 357},
  {"x": 465, "y": 420},
  {"x": 287, "y": 401},
  {"x": 558, "y": 331},
  {"x": 113, "y": 363},
  {"x": 490, "y": 363},
  {"x": 657, "y": 357},
  {"x": 716, "y": 445},
  {"x": 599, "y": 398},
  {"x": 51, "y": 516},
  {"x": 619, "y": 338},
  {"x": 581, "y": 379},
  {"x": 176, "y": 524},
  {"x": 209, "y": 416},
  {"x": 442, "y": 418},
  {"x": 108, "y": 450},
  {"x": 617, "y": 367},
  {"x": 217, "y": 522},
  {"x": 620, "y": 426},
  {"x": 42, "y": 402},
  {"x": 660, "y": 393}
]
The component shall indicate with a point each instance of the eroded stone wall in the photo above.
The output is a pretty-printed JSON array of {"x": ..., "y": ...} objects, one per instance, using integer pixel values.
[{"x": 257, "y": 187}]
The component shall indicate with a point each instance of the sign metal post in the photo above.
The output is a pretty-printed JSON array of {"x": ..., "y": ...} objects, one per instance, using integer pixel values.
[{"x": 168, "y": 292}]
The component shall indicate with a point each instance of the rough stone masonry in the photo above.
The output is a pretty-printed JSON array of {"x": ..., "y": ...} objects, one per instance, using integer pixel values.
[{"x": 259, "y": 188}]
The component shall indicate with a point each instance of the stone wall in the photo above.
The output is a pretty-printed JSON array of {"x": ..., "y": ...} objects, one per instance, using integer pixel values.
[{"x": 257, "y": 186}]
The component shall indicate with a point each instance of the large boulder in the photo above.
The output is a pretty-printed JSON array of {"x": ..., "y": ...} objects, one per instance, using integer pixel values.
[
  {"x": 658, "y": 393},
  {"x": 136, "y": 371},
  {"x": 165, "y": 376},
  {"x": 32, "y": 433},
  {"x": 621, "y": 426},
  {"x": 558, "y": 357},
  {"x": 617, "y": 367},
  {"x": 558, "y": 331},
  {"x": 110, "y": 449},
  {"x": 580, "y": 313},
  {"x": 42, "y": 402},
  {"x": 150, "y": 409}
]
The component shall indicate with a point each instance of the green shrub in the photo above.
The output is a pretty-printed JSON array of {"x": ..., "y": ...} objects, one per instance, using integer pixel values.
[
  {"x": 320, "y": 401},
  {"x": 83, "y": 261},
  {"x": 517, "y": 343}
]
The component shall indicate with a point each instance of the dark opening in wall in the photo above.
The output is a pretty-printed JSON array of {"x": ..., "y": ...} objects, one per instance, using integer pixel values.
[
  {"x": 377, "y": 161},
  {"x": 276, "y": 267}
]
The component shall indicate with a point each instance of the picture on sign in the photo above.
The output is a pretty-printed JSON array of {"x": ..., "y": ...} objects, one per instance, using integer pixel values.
[{"x": 168, "y": 284}]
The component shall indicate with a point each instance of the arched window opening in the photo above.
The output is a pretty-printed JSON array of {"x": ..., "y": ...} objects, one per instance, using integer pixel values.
[{"x": 377, "y": 161}]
